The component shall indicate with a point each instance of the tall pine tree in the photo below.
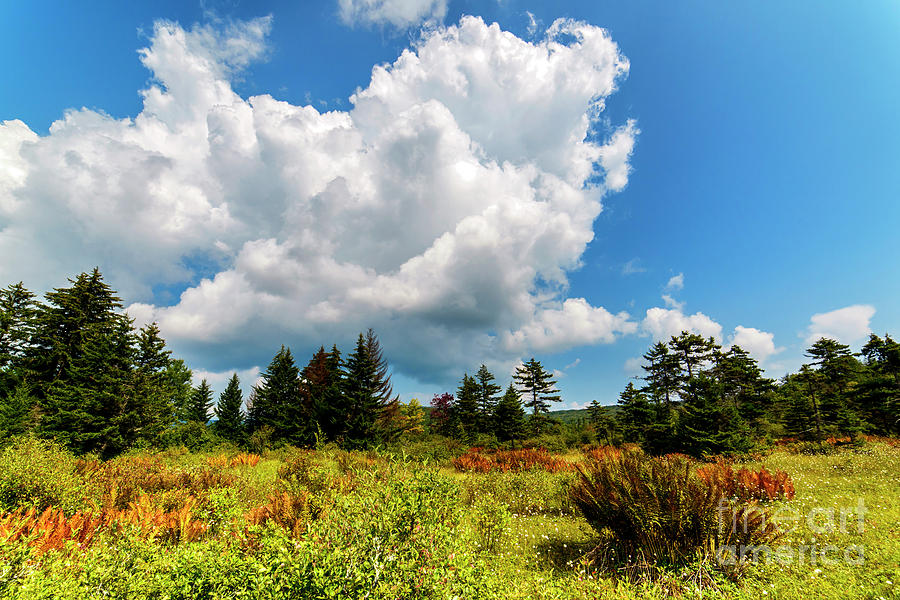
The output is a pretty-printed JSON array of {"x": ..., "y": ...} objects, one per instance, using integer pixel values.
[
  {"x": 229, "y": 416},
  {"x": 81, "y": 363},
  {"x": 536, "y": 385},
  {"x": 278, "y": 402},
  {"x": 368, "y": 392},
  {"x": 201, "y": 403},
  {"x": 487, "y": 399},
  {"x": 509, "y": 416},
  {"x": 466, "y": 407}
]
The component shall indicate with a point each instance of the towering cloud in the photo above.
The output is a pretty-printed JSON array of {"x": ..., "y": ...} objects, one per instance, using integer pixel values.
[{"x": 444, "y": 209}]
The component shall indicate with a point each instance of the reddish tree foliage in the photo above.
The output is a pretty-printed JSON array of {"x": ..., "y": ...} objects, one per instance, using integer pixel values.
[{"x": 442, "y": 411}]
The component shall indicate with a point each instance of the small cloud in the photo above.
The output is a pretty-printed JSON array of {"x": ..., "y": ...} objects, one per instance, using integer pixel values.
[
  {"x": 632, "y": 366},
  {"x": 633, "y": 266},
  {"x": 572, "y": 364},
  {"x": 846, "y": 325},
  {"x": 532, "y": 24},
  {"x": 400, "y": 14},
  {"x": 672, "y": 302},
  {"x": 675, "y": 283}
]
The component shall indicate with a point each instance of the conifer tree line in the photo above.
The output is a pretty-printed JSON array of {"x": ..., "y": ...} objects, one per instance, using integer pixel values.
[
  {"x": 479, "y": 409},
  {"x": 74, "y": 368},
  {"x": 700, "y": 399}
]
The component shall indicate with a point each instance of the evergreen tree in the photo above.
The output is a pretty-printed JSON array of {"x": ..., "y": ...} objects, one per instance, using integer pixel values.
[
  {"x": 637, "y": 415},
  {"x": 879, "y": 396},
  {"x": 81, "y": 364},
  {"x": 742, "y": 384},
  {"x": 801, "y": 416},
  {"x": 708, "y": 425},
  {"x": 604, "y": 425},
  {"x": 17, "y": 412},
  {"x": 466, "y": 407},
  {"x": 360, "y": 389},
  {"x": 151, "y": 409},
  {"x": 537, "y": 387},
  {"x": 692, "y": 351},
  {"x": 321, "y": 386},
  {"x": 279, "y": 404},
  {"x": 368, "y": 391},
  {"x": 662, "y": 373},
  {"x": 178, "y": 379},
  {"x": 17, "y": 316},
  {"x": 229, "y": 417},
  {"x": 200, "y": 404},
  {"x": 487, "y": 399},
  {"x": 836, "y": 373},
  {"x": 509, "y": 416}
]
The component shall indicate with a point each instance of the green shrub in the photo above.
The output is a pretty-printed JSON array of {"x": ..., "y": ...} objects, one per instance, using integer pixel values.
[
  {"x": 490, "y": 519},
  {"x": 38, "y": 473}
]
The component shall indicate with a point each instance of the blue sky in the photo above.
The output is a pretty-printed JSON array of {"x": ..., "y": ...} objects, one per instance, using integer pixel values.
[{"x": 764, "y": 171}]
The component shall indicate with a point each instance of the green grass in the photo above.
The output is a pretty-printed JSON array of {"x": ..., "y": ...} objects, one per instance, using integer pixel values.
[{"x": 406, "y": 530}]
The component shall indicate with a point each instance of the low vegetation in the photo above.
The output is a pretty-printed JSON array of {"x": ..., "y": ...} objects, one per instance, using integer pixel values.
[{"x": 331, "y": 523}]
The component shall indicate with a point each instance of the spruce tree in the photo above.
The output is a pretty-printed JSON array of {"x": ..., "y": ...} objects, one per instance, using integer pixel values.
[
  {"x": 487, "y": 399},
  {"x": 178, "y": 379},
  {"x": 229, "y": 416},
  {"x": 636, "y": 416},
  {"x": 603, "y": 423},
  {"x": 879, "y": 393},
  {"x": 279, "y": 404},
  {"x": 17, "y": 412},
  {"x": 200, "y": 404},
  {"x": 81, "y": 364},
  {"x": 152, "y": 408},
  {"x": 742, "y": 384},
  {"x": 662, "y": 373},
  {"x": 509, "y": 416},
  {"x": 367, "y": 390},
  {"x": 17, "y": 320},
  {"x": 466, "y": 407},
  {"x": 837, "y": 371},
  {"x": 321, "y": 382},
  {"x": 708, "y": 425},
  {"x": 536, "y": 385}
]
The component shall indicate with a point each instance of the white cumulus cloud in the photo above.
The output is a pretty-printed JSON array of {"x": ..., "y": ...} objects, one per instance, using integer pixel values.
[
  {"x": 663, "y": 323},
  {"x": 846, "y": 325},
  {"x": 444, "y": 209},
  {"x": 758, "y": 344}
]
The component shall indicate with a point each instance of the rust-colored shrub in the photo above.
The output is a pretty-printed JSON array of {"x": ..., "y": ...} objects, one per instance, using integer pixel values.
[
  {"x": 288, "y": 510},
  {"x": 50, "y": 529},
  {"x": 177, "y": 525},
  {"x": 244, "y": 459},
  {"x": 475, "y": 460},
  {"x": 117, "y": 483},
  {"x": 745, "y": 484}
]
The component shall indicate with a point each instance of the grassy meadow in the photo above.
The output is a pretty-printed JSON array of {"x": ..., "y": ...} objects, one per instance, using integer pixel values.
[{"x": 334, "y": 524}]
